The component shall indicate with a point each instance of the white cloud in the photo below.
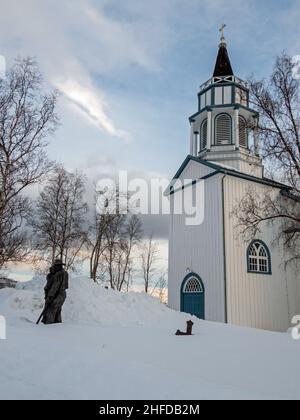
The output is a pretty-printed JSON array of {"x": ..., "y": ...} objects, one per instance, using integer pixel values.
[
  {"x": 91, "y": 105},
  {"x": 76, "y": 41}
]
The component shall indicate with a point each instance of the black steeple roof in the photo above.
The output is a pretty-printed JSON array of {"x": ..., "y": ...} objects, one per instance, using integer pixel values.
[{"x": 223, "y": 65}]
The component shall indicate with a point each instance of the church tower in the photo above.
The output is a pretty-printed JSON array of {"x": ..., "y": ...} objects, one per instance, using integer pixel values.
[{"x": 225, "y": 125}]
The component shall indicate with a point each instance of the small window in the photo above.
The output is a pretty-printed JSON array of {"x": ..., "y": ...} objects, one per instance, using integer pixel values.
[
  {"x": 218, "y": 96},
  {"x": 227, "y": 95},
  {"x": 243, "y": 132},
  {"x": 193, "y": 285},
  {"x": 202, "y": 101},
  {"x": 203, "y": 136},
  {"x": 259, "y": 258},
  {"x": 223, "y": 129}
]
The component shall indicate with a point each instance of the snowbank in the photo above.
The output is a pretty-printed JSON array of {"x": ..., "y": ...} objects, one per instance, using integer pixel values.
[
  {"x": 89, "y": 303},
  {"x": 123, "y": 346}
]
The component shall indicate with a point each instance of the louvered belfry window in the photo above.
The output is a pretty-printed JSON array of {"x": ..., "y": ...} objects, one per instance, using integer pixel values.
[
  {"x": 243, "y": 132},
  {"x": 223, "y": 130},
  {"x": 203, "y": 135}
]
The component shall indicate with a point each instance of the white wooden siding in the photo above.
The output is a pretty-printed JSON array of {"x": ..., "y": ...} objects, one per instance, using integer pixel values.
[
  {"x": 199, "y": 249},
  {"x": 259, "y": 301},
  {"x": 195, "y": 170}
]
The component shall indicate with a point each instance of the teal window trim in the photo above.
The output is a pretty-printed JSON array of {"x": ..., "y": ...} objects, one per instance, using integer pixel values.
[
  {"x": 269, "y": 259},
  {"x": 212, "y": 86},
  {"x": 201, "y": 134},
  {"x": 232, "y": 84},
  {"x": 188, "y": 277},
  {"x": 232, "y": 106},
  {"x": 231, "y": 131}
]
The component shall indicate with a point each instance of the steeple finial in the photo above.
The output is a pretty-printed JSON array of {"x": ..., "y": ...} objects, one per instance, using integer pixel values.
[
  {"x": 223, "y": 65},
  {"x": 223, "y": 41}
]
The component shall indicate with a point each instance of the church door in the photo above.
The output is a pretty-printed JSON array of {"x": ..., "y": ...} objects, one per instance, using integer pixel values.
[{"x": 193, "y": 296}]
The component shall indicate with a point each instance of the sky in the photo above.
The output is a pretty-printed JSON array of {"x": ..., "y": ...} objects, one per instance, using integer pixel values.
[{"x": 129, "y": 71}]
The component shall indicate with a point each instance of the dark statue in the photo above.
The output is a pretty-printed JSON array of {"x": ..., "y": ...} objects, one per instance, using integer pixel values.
[
  {"x": 189, "y": 329},
  {"x": 55, "y": 293}
]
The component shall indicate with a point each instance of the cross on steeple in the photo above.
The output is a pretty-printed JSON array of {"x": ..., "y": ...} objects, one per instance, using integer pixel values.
[{"x": 222, "y": 33}]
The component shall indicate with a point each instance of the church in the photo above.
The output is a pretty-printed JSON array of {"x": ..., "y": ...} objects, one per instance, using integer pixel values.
[{"x": 214, "y": 273}]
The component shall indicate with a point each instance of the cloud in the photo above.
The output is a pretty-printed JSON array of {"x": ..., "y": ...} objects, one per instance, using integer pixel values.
[
  {"x": 89, "y": 103},
  {"x": 77, "y": 42}
]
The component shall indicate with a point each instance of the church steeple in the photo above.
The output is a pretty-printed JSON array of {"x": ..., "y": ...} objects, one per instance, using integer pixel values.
[
  {"x": 223, "y": 65},
  {"x": 220, "y": 130}
]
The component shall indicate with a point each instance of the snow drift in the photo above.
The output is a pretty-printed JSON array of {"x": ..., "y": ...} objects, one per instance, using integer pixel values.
[
  {"x": 88, "y": 303},
  {"x": 123, "y": 346}
]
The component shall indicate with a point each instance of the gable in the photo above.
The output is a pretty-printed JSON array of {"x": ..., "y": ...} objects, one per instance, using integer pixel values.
[{"x": 195, "y": 170}]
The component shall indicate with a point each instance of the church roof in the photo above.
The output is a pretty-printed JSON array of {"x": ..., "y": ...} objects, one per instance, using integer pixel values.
[
  {"x": 226, "y": 171},
  {"x": 223, "y": 65}
]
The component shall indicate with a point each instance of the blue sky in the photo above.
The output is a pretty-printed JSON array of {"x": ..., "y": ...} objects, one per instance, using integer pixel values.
[{"x": 130, "y": 70}]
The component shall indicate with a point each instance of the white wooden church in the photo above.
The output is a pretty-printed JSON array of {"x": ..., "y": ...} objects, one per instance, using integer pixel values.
[{"x": 213, "y": 273}]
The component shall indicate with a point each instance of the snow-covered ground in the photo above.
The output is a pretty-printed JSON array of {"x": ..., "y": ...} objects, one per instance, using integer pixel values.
[{"x": 122, "y": 346}]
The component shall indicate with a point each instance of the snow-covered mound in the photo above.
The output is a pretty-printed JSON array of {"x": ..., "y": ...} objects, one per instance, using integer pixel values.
[
  {"x": 88, "y": 302},
  {"x": 123, "y": 346}
]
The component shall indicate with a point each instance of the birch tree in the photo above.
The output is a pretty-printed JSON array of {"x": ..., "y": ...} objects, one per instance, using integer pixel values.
[
  {"x": 149, "y": 258},
  {"x": 58, "y": 223},
  {"x": 27, "y": 119}
]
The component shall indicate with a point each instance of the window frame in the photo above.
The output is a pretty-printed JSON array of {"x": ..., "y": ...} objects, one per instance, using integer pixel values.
[
  {"x": 190, "y": 279},
  {"x": 259, "y": 258},
  {"x": 201, "y": 148},
  {"x": 216, "y": 128}
]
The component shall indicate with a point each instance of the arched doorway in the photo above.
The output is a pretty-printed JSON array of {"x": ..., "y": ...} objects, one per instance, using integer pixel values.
[{"x": 193, "y": 296}]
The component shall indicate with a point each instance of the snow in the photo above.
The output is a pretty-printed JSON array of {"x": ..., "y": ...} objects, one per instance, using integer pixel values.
[{"x": 122, "y": 346}]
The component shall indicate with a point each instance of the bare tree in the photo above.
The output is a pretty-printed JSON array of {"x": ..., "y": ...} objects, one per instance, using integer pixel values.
[
  {"x": 160, "y": 288},
  {"x": 113, "y": 238},
  {"x": 59, "y": 220},
  {"x": 27, "y": 117},
  {"x": 98, "y": 243},
  {"x": 149, "y": 258},
  {"x": 277, "y": 101},
  {"x": 122, "y": 236},
  {"x": 104, "y": 219}
]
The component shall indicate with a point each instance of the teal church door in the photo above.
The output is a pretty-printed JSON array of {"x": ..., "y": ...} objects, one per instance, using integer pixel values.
[{"x": 193, "y": 296}]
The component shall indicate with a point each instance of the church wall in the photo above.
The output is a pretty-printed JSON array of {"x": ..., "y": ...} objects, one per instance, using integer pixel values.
[
  {"x": 259, "y": 301},
  {"x": 199, "y": 249}
]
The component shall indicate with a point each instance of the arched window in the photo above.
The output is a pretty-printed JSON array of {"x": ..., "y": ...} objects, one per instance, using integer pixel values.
[
  {"x": 243, "y": 132},
  {"x": 259, "y": 258},
  {"x": 193, "y": 285},
  {"x": 203, "y": 135},
  {"x": 223, "y": 129}
]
